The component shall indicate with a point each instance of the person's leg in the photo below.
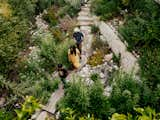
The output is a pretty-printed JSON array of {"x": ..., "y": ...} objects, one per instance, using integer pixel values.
[
  {"x": 79, "y": 46},
  {"x": 64, "y": 82}
]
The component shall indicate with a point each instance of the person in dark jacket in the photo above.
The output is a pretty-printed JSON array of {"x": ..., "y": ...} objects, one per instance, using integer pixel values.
[
  {"x": 63, "y": 73},
  {"x": 78, "y": 36}
]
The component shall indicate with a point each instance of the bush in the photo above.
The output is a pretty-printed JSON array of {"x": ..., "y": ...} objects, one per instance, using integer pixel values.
[
  {"x": 28, "y": 107},
  {"x": 50, "y": 17},
  {"x": 105, "y": 9},
  {"x": 150, "y": 68},
  {"x": 77, "y": 97},
  {"x": 95, "y": 77},
  {"x": 96, "y": 59},
  {"x": 125, "y": 94},
  {"x": 94, "y": 29},
  {"x": 6, "y": 115},
  {"x": 48, "y": 48},
  {"x": 75, "y": 3},
  {"x": 62, "y": 52},
  {"x": 43, "y": 4},
  {"x": 99, "y": 105},
  {"x": 141, "y": 33},
  {"x": 82, "y": 100},
  {"x": 146, "y": 113},
  {"x": 24, "y": 9},
  {"x": 117, "y": 59},
  {"x": 11, "y": 41}
]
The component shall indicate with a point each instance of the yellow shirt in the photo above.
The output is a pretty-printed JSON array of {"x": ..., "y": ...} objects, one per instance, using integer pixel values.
[{"x": 74, "y": 59}]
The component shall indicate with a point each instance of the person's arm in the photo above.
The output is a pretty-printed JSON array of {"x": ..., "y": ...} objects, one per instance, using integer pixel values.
[
  {"x": 82, "y": 36},
  {"x": 77, "y": 51},
  {"x": 69, "y": 55},
  {"x": 74, "y": 35}
]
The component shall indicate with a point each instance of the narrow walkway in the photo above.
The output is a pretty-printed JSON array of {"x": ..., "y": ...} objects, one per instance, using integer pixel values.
[
  {"x": 84, "y": 20},
  {"x": 128, "y": 60}
]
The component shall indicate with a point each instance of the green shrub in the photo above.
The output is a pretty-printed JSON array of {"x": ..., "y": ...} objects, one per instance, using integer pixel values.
[
  {"x": 141, "y": 33},
  {"x": 77, "y": 97},
  {"x": 150, "y": 67},
  {"x": 117, "y": 59},
  {"x": 146, "y": 113},
  {"x": 94, "y": 29},
  {"x": 106, "y": 8},
  {"x": 48, "y": 50},
  {"x": 60, "y": 3},
  {"x": 96, "y": 59},
  {"x": 43, "y": 4},
  {"x": 24, "y": 9},
  {"x": 58, "y": 35},
  {"x": 62, "y": 52},
  {"x": 82, "y": 100},
  {"x": 74, "y": 3},
  {"x": 6, "y": 115},
  {"x": 50, "y": 17},
  {"x": 95, "y": 77},
  {"x": 99, "y": 105},
  {"x": 67, "y": 114},
  {"x": 125, "y": 94},
  {"x": 11, "y": 41},
  {"x": 28, "y": 107}
]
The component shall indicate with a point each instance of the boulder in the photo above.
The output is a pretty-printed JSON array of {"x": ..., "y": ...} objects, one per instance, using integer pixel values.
[{"x": 108, "y": 57}]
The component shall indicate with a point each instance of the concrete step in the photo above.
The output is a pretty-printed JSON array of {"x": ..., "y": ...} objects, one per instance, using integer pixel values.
[
  {"x": 85, "y": 23},
  {"x": 87, "y": 5},
  {"x": 85, "y": 9},
  {"x": 84, "y": 18},
  {"x": 82, "y": 13},
  {"x": 86, "y": 29}
]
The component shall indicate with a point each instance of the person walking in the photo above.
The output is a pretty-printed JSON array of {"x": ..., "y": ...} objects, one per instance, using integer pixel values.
[
  {"x": 63, "y": 73},
  {"x": 78, "y": 36},
  {"x": 74, "y": 56}
]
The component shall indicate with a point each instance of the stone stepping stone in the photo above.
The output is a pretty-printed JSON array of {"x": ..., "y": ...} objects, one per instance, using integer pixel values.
[
  {"x": 84, "y": 18},
  {"x": 86, "y": 29},
  {"x": 82, "y": 13},
  {"x": 85, "y": 9},
  {"x": 87, "y": 5},
  {"x": 85, "y": 23}
]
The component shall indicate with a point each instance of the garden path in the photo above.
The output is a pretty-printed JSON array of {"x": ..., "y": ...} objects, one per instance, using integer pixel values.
[
  {"x": 127, "y": 60},
  {"x": 85, "y": 21}
]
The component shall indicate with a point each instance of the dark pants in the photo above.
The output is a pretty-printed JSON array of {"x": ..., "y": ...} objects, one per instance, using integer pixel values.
[
  {"x": 63, "y": 81},
  {"x": 79, "y": 46}
]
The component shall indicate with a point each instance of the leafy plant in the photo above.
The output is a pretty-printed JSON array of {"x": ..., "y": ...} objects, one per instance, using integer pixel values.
[
  {"x": 28, "y": 107},
  {"x": 77, "y": 96},
  {"x": 117, "y": 59},
  {"x": 95, "y": 77},
  {"x": 6, "y": 115},
  {"x": 67, "y": 114},
  {"x": 125, "y": 94},
  {"x": 106, "y": 8},
  {"x": 146, "y": 113},
  {"x": 94, "y": 29},
  {"x": 86, "y": 101},
  {"x": 99, "y": 105},
  {"x": 96, "y": 59},
  {"x": 50, "y": 17}
]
